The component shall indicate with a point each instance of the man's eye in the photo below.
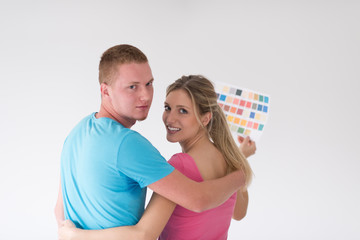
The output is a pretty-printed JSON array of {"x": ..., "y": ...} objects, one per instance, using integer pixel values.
[
  {"x": 132, "y": 87},
  {"x": 149, "y": 84},
  {"x": 166, "y": 108}
]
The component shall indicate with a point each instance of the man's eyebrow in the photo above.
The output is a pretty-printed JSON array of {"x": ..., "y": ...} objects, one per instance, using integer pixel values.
[{"x": 134, "y": 82}]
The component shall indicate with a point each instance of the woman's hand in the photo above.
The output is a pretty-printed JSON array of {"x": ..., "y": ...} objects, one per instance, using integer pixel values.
[
  {"x": 67, "y": 230},
  {"x": 247, "y": 146}
]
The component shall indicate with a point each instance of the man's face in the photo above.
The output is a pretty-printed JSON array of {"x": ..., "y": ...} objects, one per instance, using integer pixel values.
[{"x": 131, "y": 92}]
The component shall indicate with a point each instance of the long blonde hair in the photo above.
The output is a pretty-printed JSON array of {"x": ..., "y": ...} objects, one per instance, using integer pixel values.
[{"x": 204, "y": 98}]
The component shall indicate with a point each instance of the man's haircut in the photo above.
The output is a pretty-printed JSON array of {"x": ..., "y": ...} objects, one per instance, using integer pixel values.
[{"x": 114, "y": 57}]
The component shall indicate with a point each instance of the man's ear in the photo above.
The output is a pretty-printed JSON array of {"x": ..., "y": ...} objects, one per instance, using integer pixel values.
[
  {"x": 205, "y": 119},
  {"x": 104, "y": 89}
]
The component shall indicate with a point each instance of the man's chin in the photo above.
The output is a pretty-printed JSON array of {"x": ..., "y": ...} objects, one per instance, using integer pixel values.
[{"x": 141, "y": 119}]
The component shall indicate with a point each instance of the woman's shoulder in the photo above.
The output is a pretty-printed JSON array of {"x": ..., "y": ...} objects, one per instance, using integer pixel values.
[{"x": 179, "y": 159}]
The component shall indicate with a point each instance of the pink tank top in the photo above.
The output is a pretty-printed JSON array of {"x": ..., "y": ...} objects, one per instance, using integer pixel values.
[{"x": 184, "y": 224}]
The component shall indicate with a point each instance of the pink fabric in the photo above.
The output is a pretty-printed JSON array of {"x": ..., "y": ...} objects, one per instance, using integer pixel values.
[{"x": 183, "y": 224}]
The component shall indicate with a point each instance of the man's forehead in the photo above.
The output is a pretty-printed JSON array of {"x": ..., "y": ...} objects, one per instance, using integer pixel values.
[{"x": 135, "y": 72}]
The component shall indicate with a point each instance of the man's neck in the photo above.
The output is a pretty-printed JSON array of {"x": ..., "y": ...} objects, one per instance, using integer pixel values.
[{"x": 104, "y": 112}]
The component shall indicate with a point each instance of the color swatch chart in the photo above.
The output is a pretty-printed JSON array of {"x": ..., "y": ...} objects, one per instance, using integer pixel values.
[{"x": 246, "y": 111}]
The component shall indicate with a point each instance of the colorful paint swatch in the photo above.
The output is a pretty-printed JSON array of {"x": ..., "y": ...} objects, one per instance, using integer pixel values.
[
  {"x": 241, "y": 130},
  {"x": 246, "y": 110},
  {"x": 226, "y": 89},
  {"x": 246, "y": 114},
  {"x": 251, "y": 95},
  {"x": 245, "y": 94},
  {"x": 243, "y": 122},
  {"x": 230, "y": 118},
  {"x": 254, "y": 106},
  {"x": 229, "y": 99},
  {"x": 247, "y": 132}
]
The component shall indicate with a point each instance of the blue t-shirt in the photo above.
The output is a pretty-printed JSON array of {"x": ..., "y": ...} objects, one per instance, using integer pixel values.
[{"x": 105, "y": 169}]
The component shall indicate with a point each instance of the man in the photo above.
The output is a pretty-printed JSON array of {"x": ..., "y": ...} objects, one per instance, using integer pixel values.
[{"x": 106, "y": 166}]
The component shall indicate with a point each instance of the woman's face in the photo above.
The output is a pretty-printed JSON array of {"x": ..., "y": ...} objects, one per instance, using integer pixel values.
[{"x": 180, "y": 119}]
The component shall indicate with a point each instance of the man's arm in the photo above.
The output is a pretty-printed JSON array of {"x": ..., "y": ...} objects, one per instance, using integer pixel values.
[
  {"x": 198, "y": 196},
  {"x": 59, "y": 208}
]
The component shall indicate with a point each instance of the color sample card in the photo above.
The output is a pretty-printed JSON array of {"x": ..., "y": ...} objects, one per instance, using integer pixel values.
[{"x": 246, "y": 111}]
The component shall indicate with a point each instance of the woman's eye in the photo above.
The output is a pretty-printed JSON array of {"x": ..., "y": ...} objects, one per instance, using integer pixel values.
[
  {"x": 183, "y": 111},
  {"x": 166, "y": 108},
  {"x": 149, "y": 84},
  {"x": 132, "y": 87}
]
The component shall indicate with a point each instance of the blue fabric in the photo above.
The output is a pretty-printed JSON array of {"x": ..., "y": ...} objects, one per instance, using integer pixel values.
[{"x": 105, "y": 169}]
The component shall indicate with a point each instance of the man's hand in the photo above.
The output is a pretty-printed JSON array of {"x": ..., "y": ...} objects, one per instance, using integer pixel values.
[{"x": 247, "y": 146}]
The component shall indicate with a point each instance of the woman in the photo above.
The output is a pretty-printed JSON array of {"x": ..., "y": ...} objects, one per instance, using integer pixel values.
[{"x": 193, "y": 118}]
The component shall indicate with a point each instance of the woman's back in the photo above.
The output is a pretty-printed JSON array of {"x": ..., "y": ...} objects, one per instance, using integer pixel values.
[
  {"x": 209, "y": 160},
  {"x": 210, "y": 224}
]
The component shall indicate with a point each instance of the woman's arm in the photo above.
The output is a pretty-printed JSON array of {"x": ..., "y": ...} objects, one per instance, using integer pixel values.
[
  {"x": 59, "y": 208},
  {"x": 241, "y": 205},
  {"x": 247, "y": 146},
  {"x": 149, "y": 227}
]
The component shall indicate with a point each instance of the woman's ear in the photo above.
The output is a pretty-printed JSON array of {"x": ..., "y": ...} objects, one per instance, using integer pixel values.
[{"x": 205, "y": 119}]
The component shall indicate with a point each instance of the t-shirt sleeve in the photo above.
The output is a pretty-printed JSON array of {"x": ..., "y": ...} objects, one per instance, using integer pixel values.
[
  {"x": 177, "y": 163},
  {"x": 141, "y": 161}
]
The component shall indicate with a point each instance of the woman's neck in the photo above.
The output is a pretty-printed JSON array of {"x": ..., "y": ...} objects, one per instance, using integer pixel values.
[{"x": 199, "y": 140}]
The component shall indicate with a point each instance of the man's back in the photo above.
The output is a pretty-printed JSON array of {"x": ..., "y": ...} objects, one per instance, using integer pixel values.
[{"x": 105, "y": 168}]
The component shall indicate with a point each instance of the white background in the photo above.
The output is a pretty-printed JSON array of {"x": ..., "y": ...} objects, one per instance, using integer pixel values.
[{"x": 304, "y": 54}]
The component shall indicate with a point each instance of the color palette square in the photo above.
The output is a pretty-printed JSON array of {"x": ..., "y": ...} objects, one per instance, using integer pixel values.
[{"x": 246, "y": 111}]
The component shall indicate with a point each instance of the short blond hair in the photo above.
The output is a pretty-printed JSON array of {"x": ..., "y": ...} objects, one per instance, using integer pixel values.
[{"x": 115, "y": 56}]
